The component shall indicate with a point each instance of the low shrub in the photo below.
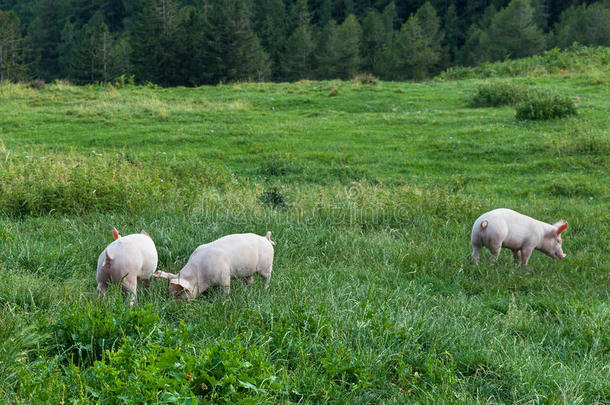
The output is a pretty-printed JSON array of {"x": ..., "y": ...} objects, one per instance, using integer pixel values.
[
  {"x": 365, "y": 78},
  {"x": 541, "y": 105},
  {"x": 38, "y": 84},
  {"x": 497, "y": 94},
  {"x": 274, "y": 197}
]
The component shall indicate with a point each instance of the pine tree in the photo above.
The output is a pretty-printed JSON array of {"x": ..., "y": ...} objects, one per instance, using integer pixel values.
[
  {"x": 373, "y": 38},
  {"x": 413, "y": 52},
  {"x": 586, "y": 24},
  {"x": 389, "y": 17},
  {"x": 298, "y": 57},
  {"x": 44, "y": 35},
  {"x": 513, "y": 32},
  {"x": 339, "y": 49},
  {"x": 453, "y": 35},
  {"x": 430, "y": 25},
  {"x": 474, "y": 50},
  {"x": 233, "y": 51},
  {"x": 12, "y": 66},
  {"x": 155, "y": 43},
  {"x": 92, "y": 53},
  {"x": 272, "y": 31}
]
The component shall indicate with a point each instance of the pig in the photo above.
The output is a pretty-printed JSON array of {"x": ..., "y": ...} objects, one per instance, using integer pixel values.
[
  {"x": 126, "y": 260},
  {"x": 216, "y": 263},
  {"x": 503, "y": 227}
]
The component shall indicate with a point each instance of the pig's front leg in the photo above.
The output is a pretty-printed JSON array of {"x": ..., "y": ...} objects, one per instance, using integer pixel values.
[
  {"x": 249, "y": 280},
  {"x": 526, "y": 252},
  {"x": 146, "y": 282},
  {"x": 226, "y": 283}
]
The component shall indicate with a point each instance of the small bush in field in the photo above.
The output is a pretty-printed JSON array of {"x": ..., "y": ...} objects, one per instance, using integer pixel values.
[
  {"x": 545, "y": 106},
  {"x": 365, "y": 78},
  {"x": 273, "y": 197},
  {"x": 497, "y": 94},
  {"x": 38, "y": 84}
]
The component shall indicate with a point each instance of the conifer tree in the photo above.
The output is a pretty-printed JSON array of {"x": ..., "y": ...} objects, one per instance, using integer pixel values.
[
  {"x": 373, "y": 38},
  {"x": 585, "y": 24},
  {"x": 156, "y": 43},
  {"x": 44, "y": 37},
  {"x": 12, "y": 46},
  {"x": 339, "y": 49},
  {"x": 272, "y": 31},
  {"x": 474, "y": 50},
  {"x": 233, "y": 51},
  {"x": 513, "y": 32},
  {"x": 453, "y": 35},
  {"x": 430, "y": 25}
]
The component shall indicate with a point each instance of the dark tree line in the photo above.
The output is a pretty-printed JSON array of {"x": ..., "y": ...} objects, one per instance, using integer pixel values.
[{"x": 193, "y": 42}]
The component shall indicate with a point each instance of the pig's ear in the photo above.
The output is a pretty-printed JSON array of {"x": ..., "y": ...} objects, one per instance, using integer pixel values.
[
  {"x": 163, "y": 274},
  {"x": 180, "y": 283},
  {"x": 115, "y": 233},
  {"x": 143, "y": 232},
  {"x": 561, "y": 226}
]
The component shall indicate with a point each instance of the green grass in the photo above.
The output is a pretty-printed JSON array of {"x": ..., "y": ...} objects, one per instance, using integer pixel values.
[{"x": 373, "y": 297}]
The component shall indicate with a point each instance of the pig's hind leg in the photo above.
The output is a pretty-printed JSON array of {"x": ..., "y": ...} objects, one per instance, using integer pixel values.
[
  {"x": 476, "y": 252},
  {"x": 266, "y": 275},
  {"x": 495, "y": 251},
  {"x": 130, "y": 287},
  {"x": 475, "y": 239}
]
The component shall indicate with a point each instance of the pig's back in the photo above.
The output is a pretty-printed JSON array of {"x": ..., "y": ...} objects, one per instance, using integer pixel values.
[
  {"x": 241, "y": 250},
  {"x": 135, "y": 252}
]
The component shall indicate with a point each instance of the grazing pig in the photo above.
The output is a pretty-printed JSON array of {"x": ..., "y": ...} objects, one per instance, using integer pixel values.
[
  {"x": 128, "y": 259},
  {"x": 521, "y": 234},
  {"x": 216, "y": 263}
]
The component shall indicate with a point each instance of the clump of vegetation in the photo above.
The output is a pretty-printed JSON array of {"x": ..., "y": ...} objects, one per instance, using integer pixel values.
[
  {"x": 334, "y": 91},
  {"x": 575, "y": 59},
  {"x": 275, "y": 166},
  {"x": 365, "y": 78},
  {"x": 542, "y": 105},
  {"x": 274, "y": 198},
  {"x": 38, "y": 84},
  {"x": 84, "y": 332},
  {"x": 221, "y": 372},
  {"x": 497, "y": 94}
]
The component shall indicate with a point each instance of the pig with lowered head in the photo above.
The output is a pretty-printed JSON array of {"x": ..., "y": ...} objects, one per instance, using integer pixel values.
[
  {"x": 126, "y": 260},
  {"x": 216, "y": 263},
  {"x": 509, "y": 229}
]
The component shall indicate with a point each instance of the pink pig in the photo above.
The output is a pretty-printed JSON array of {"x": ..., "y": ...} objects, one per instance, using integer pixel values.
[
  {"x": 507, "y": 228},
  {"x": 128, "y": 259},
  {"x": 216, "y": 263}
]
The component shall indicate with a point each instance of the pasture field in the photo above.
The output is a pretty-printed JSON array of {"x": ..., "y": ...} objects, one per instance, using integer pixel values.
[{"x": 370, "y": 191}]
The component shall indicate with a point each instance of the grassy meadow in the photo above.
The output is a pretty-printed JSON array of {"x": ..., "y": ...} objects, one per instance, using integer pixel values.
[{"x": 370, "y": 191}]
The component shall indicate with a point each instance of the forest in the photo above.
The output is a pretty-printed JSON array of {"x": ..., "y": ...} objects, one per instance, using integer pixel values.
[{"x": 191, "y": 43}]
